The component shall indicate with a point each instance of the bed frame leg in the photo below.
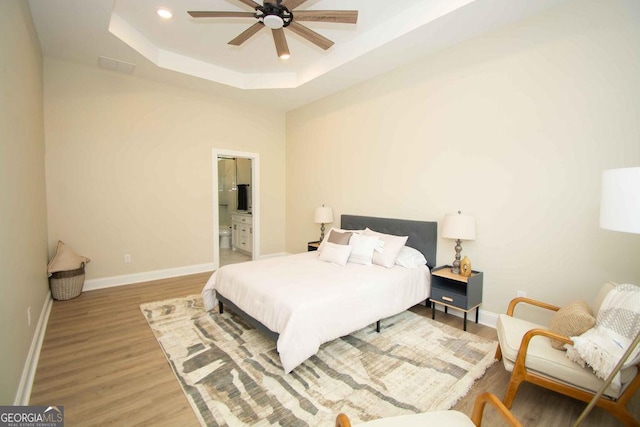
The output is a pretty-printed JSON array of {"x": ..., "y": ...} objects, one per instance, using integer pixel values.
[
  {"x": 220, "y": 307},
  {"x": 378, "y": 326}
]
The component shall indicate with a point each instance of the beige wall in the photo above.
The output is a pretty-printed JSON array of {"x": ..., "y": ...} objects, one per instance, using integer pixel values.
[
  {"x": 129, "y": 168},
  {"x": 23, "y": 215},
  {"x": 513, "y": 128}
]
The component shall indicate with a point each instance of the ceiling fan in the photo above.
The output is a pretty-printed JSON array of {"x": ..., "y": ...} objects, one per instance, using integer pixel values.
[{"x": 279, "y": 14}]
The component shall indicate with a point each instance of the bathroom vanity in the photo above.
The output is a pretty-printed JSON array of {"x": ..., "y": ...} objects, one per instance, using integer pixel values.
[{"x": 242, "y": 232}]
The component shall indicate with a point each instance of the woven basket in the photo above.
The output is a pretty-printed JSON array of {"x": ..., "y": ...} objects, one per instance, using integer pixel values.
[{"x": 67, "y": 284}]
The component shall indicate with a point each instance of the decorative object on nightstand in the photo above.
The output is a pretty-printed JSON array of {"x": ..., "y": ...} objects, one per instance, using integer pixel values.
[
  {"x": 465, "y": 267},
  {"x": 453, "y": 290},
  {"x": 313, "y": 246},
  {"x": 459, "y": 227},
  {"x": 323, "y": 215}
]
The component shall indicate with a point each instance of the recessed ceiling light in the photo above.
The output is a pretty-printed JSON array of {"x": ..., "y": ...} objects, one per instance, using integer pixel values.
[{"x": 164, "y": 13}]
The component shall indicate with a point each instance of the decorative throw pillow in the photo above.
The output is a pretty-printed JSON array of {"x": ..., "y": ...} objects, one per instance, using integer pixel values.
[
  {"x": 337, "y": 230},
  {"x": 571, "y": 320},
  {"x": 65, "y": 259},
  {"x": 335, "y": 254},
  {"x": 391, "y": 249},
  {"x": 410, "y": 258},
  {"x": 340, "y": 238},
  {"x": 363, "y": 248}
]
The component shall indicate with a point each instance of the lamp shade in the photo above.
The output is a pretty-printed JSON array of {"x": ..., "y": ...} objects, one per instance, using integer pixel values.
[
  {"x": 620, "y": 200},
  {"x": 323, "y": 215},
  {"x": 459, "y": 226}
]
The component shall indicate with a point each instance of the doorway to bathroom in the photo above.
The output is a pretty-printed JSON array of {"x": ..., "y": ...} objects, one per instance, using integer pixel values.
[{"x": 235, "y": 203}]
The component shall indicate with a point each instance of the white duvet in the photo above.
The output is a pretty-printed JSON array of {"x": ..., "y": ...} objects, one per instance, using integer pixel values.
[{"x": 310, "y": 302}]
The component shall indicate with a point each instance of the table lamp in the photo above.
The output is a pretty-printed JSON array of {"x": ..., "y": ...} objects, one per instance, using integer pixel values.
[
  {"x": 323, "y": 215},
  {"x": 459, "y": 227}
]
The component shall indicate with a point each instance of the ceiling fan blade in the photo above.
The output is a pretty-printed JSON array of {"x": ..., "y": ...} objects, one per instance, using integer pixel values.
[
  {"x": 292, "y": 4},
  {"x": 340, "y": 16},
  {"x": 246, "y": 34},
  {"x": 310, "y": 35},
  {"x": 252, "y": 4},
  {"x": 203, "y": 14},
  {"x": 281, "y": 43}
]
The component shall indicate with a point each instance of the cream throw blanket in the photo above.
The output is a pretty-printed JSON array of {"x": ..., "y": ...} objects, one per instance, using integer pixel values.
[{"x": 617, "y": 324}]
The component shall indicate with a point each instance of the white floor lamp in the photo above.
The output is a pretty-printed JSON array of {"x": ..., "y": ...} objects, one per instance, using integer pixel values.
[{"x": 619, "y": 211}]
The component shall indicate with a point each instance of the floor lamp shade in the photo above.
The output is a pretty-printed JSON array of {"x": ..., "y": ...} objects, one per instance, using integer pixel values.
[{"x": 620, "y": 200}]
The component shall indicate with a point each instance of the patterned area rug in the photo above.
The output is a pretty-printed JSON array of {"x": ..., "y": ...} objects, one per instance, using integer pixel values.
[{"x": 232, "y": 375}]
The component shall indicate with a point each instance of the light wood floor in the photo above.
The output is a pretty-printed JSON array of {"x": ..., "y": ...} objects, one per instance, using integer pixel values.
[{"x": 101, "y": 361}]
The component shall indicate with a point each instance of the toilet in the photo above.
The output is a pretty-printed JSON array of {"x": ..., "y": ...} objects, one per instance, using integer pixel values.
[{"x": 225, "y": 238}]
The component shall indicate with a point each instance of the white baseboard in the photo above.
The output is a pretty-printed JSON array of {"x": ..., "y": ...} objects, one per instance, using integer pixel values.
[
  {"x": 128, "y": 279},
  {"x": 23, "y": 394},
  {"x": 488, "y": 318}
]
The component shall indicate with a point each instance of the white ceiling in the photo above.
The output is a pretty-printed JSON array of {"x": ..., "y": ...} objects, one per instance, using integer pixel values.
[{"x": 195, "y": 53}]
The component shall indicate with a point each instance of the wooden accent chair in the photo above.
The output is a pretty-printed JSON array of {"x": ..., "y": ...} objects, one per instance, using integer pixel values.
[
  {"x": 526, "y": 350},
  {"x": 440, "y": 418}
]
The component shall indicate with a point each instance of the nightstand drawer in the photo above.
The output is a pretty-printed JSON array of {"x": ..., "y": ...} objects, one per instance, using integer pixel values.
[{"x": 449, "y": 298}]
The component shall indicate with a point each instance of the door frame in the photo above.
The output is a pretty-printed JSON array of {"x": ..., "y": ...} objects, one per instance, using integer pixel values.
[{"x": 255, "y": 200}]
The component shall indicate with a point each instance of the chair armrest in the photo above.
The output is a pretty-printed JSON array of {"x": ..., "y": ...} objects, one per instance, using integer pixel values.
[
  {"x": 480, "y": 403},
  {"x": 524, "y": 344},
  {"x": 342, "y": 420},
  {"x": 515, "y": 301}
]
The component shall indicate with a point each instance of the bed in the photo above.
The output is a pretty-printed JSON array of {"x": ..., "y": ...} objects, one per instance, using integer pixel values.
[{"x": 303, "y": 302}]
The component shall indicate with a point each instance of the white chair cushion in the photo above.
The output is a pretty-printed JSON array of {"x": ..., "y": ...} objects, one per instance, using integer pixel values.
[
  {"x": 546, "y": 361},
  {"x": 436, "y": 418}
]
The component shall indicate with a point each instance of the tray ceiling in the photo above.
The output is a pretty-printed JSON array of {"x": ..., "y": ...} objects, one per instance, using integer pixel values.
[{"x": 183, "y": 50}]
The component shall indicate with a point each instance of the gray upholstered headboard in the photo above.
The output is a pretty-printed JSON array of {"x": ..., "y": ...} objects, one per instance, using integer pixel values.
[{"x": 423, "y": 235}]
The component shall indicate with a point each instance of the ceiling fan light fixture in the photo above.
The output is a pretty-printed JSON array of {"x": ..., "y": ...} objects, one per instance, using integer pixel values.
[
  {"x": 275, "y": 15},
  {"x": 164, "y": 13},
  {"x": 273, "y": 21}
]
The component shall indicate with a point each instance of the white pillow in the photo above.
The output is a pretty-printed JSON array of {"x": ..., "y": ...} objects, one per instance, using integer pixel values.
[
  {"x": 340, "y": 230},
  {"x": 363, "y": 248},
  {"x": 65, "y": 259},
  {"x": 410, "y": 258},
  {"x": 335, "y": 254},
  {"x": 392, "y": 246}
]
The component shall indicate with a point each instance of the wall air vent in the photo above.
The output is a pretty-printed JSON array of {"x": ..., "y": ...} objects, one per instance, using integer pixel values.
[{"x": 116, "y": 65}]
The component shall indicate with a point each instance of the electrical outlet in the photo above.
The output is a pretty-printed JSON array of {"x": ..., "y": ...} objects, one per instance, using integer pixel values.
[
  {"x": 127, "y": 258},
  {"x": 521, "y": 294},
  {"x": 29, "y": 316}
]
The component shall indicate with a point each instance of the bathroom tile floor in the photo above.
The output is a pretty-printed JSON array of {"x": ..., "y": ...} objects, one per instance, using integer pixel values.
[{"x": 229, "y": 256}]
